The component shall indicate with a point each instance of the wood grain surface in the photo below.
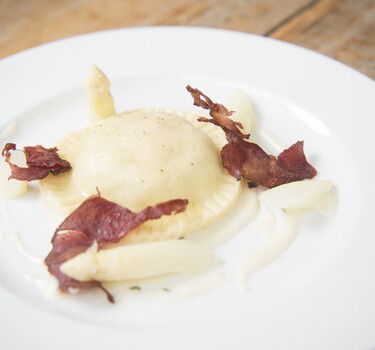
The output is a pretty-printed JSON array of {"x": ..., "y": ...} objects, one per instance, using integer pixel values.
[{"x": 341, "y": 29}]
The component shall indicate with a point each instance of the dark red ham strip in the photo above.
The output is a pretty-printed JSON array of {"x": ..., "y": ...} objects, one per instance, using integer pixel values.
[
  {"x": 249, "y": 161},
  {"x": 244, "y": 159},
  {"x": 40, "y": 162},
  {"x": 101, "y": 221},
  {"x": 220, "y": 114}
]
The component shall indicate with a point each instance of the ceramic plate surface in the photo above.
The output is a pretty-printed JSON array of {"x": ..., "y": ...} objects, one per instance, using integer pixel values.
[{"x": 318, "y": 295}]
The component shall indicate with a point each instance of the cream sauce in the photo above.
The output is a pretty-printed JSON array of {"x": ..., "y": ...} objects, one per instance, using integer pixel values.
[{"x": 276, "y": 240}]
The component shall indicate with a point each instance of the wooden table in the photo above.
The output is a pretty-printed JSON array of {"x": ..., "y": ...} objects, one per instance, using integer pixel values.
[{"x": 342, "y": 29}]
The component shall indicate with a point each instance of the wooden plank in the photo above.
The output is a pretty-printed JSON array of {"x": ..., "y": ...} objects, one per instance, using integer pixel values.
[
  {"x": 254, "y": 16},
  {"x": 341, "y": 29},
  {"x": 24, "y": 24}
]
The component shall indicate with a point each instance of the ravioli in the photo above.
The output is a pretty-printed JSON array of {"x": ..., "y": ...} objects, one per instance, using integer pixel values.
[{"x": 141, "y": 158}]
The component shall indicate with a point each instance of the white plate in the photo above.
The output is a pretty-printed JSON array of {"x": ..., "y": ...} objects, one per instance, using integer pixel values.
[{"x": 318, "y": 295}]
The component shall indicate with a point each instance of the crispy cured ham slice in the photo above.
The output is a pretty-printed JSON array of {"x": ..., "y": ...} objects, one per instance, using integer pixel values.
[
  {"x": 220, "y": 114},
  {"x": 102, "y": 222},
  {"x": 40, "y": 162},
  {"x": 244, "y": 159},
  {"x": 247, "y": 160}
]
